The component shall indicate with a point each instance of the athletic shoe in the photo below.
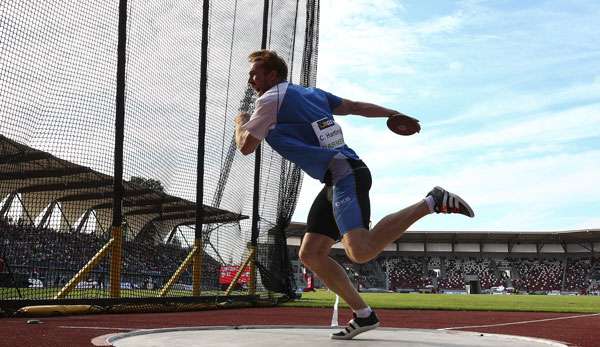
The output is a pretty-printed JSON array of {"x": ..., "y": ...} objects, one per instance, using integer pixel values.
[
  {"x": 357, "y": 326},
  {"x": 446, "y": 202}
]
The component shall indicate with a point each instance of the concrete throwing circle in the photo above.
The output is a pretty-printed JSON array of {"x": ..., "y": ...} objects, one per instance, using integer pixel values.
[{"x": 270, "y": 336}]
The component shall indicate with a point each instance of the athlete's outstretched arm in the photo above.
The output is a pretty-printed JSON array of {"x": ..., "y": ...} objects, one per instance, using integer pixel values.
[
  {"x": 364, "y": 109},
  {"x": 245, "y": 142}
]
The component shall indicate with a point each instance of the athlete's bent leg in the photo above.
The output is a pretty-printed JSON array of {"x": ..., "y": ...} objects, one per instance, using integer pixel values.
[
  {"x": 362, "y": 245},
  {"x": 314, "y": 254}
]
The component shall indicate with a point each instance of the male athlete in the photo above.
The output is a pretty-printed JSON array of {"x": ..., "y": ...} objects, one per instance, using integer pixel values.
[{"x": 298, "y": 123}]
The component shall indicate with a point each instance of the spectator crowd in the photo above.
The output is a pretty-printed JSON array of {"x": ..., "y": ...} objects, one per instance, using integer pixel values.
[
  {"x": 522, "y": 274},
  {"x": 54, "y": 257}
]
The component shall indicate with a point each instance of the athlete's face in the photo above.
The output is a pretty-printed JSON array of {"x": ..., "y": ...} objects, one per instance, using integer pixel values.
[{"x": 260, "y": 79}]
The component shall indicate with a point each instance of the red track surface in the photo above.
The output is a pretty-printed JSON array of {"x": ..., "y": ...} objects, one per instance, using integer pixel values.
[{"x": 582, "y": 330}]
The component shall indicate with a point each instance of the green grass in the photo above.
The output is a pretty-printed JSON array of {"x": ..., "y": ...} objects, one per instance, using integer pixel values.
[
  {"x": 324, "y": 298},
  {"x": 532, "y": 303}
]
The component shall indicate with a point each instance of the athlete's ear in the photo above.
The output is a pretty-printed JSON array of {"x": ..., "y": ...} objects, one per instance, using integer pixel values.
[{"x": 273, "y": 77}]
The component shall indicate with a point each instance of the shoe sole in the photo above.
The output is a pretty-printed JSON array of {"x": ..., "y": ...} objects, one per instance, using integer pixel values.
[{"x": 355, "y": 332}]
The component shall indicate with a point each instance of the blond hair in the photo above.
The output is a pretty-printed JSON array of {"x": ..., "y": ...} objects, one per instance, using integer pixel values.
[{"x": 271, "y": 62}]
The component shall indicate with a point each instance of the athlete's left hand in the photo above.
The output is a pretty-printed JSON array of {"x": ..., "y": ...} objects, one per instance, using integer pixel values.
[{"x": 242, "y": 118}]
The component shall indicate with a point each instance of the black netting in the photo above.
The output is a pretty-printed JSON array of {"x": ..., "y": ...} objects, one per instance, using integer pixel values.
[{"x": 58, "y": 86}]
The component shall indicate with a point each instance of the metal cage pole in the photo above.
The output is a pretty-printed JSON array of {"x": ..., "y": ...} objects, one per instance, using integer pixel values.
[
  {"x": 197, "y": 260},
  {"x": 117, "y": 223},
  {"x": 257, "y": 163},
  {"x": 257, "y": 153}
]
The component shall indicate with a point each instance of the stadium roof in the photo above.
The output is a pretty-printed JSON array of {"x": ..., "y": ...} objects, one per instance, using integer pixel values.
[
  {"x": 567, "y": 236},
  {"x": 41, "y": 179}
]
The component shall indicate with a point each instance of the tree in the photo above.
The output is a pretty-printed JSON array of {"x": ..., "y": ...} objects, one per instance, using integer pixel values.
[{"x": 148, "y": 183}]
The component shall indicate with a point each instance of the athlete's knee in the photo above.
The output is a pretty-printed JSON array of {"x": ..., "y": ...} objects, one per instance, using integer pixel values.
[
  {"x": 359, "y": 250},
  {"x": 309, "y": 257},
  {"x": 359, "y": 255}
]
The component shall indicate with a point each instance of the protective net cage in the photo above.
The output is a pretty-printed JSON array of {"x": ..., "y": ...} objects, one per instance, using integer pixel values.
[{"x": 59, "y": 244}]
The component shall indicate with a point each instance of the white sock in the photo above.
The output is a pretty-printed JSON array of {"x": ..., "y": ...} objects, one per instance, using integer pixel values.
[
  {"x": 363, "y": 312},
  {"x": 430, "y": 203}
]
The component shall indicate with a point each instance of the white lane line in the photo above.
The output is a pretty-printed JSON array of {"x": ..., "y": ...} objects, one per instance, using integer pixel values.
[
  {"x": 97, "y": 328},
  {"x": 521, "y": 322}
]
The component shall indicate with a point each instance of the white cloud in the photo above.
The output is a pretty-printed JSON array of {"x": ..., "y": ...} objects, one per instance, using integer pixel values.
[
  {"x": 540, "y": 132},
  {"x": 455, "y": 66},
  {"x": 445, "y": 24},
  {"x": 365, "y": 38},
  {"x": 526, "y": 192},
  {"x": 513, "y": 104},
  {"x": 525, "y": 166},
  {"x": 508, "y": 101}
]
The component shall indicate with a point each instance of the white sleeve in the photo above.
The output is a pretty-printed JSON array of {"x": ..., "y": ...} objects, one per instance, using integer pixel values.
[{"x": 263, "y": 119}]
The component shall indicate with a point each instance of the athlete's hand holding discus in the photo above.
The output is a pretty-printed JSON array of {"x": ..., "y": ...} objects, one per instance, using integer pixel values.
[
  {"x": 402, "y": 124},
  {"x": 397, "y": 122}
]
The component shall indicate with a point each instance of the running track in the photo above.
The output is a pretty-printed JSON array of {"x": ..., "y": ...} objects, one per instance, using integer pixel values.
[{"x": 574, "y": 329}]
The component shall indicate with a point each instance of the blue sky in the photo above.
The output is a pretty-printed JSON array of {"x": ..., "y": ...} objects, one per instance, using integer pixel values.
[{"x": 508, "y": 95}]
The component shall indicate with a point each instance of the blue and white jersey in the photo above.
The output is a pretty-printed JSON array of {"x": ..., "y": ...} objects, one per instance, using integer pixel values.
[{"x": 298, "y": 123}]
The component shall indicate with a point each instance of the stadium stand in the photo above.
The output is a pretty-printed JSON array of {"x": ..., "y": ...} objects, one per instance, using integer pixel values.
[
  {"x": 537, "y": 263},
  {"x": 51, "y": 257}
]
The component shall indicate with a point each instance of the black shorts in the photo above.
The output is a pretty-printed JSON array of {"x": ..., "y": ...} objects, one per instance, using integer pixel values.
[{"x": 344, "y": 206}]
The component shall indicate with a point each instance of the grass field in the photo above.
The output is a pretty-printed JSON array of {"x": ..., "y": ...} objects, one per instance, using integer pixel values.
[
  {"x": 324, "y": 298},
  {"x": 532, "y": 303}
]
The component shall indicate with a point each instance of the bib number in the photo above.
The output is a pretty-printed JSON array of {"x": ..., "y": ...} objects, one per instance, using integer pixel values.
[{"x": 329, "y": 133}]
